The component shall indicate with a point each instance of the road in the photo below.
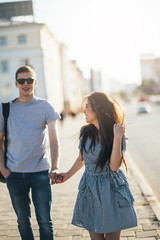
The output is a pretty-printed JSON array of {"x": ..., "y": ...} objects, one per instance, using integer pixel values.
[{"x": 144, "y": 142}]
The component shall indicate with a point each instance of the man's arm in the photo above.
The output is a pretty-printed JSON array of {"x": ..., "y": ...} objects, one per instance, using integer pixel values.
[
  {"x": 5, "y": 171},
  {"x": 54, "y": 145}
]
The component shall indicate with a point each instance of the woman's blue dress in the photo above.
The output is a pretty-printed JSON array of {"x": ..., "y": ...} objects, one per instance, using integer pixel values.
[{"x": 104, "y": 202}]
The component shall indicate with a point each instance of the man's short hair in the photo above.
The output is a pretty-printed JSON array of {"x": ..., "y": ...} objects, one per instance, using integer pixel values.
[{"x": 25, "y": 69}]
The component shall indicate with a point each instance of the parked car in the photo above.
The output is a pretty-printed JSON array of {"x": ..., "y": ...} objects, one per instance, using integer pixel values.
[{"x": 144, "y": 108}]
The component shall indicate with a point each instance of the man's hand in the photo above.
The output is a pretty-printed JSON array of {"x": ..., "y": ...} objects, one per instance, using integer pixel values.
[
  {"x": 5, "y": 172},
  {"x": 62, "y": 177},
  {"x": 54, "y": 177}
]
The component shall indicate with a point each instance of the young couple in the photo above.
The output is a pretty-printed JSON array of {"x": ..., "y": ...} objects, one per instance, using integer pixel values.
[{"x": 104, "y": 204}]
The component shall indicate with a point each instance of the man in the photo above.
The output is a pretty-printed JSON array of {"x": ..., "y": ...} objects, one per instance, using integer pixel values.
[{"x": 27, "y": 162}]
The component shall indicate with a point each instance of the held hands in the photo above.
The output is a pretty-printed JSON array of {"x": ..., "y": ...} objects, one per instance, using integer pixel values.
[
  {"x": 57, "y": 177},
  {"x": 119, "y": 130}
]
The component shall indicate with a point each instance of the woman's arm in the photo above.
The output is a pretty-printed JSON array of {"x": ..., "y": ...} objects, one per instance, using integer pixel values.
[
  {"x": 76, "y": 166},
  {"x": 116, "y": 155},
  {"x": 62, "y": 177}
]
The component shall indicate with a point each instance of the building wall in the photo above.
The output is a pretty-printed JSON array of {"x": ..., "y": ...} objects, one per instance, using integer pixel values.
[
  {"x": 95, "y": 81},
  {"x": 150, "y": 69},
  {"x": 79, "y": 87},
  {"x": 52, "y": 67},
  {"x": 59, "y": 80},
  {"x": 40, "y": 50},
  {"x": 147, "y": 69},
  {"x": 65, "y": 75}
]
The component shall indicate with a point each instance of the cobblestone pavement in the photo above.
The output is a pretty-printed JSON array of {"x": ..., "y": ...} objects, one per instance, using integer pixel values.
[{"x": 64, "y": 196}]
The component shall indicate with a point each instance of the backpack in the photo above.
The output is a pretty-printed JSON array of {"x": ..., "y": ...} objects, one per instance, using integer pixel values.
[{"x": 6, "y": 107}]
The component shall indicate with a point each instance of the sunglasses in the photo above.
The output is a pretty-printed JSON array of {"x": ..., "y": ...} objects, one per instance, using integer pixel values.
[{"x": 22, "y": 80}]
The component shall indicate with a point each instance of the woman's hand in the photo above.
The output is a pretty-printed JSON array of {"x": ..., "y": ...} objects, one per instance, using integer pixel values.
[
  {"x": 52, "y": 175},
  {"x": 58, "y": 177},
  {"x": 62, "y": 177},
  {"x": 119, "y": 130}
]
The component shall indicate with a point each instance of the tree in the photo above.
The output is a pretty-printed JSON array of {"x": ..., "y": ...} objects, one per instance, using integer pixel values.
[{"x": 149, "y": 87}]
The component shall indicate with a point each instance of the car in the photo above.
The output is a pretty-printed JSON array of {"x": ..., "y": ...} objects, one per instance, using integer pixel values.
[{"x": 144, "y": 108}]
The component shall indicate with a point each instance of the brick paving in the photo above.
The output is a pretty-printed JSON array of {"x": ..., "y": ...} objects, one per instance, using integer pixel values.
[{"x": 64, "y": 196}]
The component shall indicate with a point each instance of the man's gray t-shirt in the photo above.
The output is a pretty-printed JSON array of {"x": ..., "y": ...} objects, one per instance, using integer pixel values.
[{"x": 27, "y": 134}]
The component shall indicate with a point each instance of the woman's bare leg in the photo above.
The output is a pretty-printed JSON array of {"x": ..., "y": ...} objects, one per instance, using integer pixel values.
[
  {"x": 96, "y": 236},
  {"x": 113, "y": 236}
]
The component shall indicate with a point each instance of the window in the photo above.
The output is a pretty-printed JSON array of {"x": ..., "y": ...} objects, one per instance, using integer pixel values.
[
  {"x": 4, "y": 66},
  {"x": 6, "y": 90},
  {"x": 22, "y": 39},
  {"x": 3, "y": 41},
  {"x": 24, "y": 62}
]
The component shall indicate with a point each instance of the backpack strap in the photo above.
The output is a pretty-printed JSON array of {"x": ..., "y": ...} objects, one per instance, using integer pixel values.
[{"x": 6, "y": 107}]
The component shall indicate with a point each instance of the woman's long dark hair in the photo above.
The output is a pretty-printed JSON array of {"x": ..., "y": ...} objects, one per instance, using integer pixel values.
[{"x": 108, "y": 112}]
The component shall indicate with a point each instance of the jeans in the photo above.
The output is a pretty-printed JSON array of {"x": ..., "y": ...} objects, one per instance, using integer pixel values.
[{"x": 19, "y": 186}]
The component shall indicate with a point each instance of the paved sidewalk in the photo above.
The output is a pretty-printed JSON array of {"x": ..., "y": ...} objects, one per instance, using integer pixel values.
[{"x": 64, "y": 196}]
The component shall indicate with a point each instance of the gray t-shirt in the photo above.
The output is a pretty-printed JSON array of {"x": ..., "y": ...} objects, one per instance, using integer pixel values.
[{"x": 27, "y": 134}]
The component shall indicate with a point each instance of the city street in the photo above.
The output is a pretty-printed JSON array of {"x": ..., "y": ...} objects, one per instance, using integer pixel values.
[
  {"x": 64, "y": 196},
  {"x": 144, "y": 136},
  {"x": 62, "y": 51}
]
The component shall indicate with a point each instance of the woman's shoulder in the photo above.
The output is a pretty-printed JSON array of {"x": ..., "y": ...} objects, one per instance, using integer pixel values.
[{"x": 83, "y": 129}]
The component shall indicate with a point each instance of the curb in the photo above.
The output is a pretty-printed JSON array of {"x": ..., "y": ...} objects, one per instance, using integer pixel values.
[{"x": 144, "y": 186}]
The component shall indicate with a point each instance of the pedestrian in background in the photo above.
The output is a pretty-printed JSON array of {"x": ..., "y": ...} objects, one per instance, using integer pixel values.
[
  {"x": 28, "y": 165},
  {"x": 104, "y": 204}
]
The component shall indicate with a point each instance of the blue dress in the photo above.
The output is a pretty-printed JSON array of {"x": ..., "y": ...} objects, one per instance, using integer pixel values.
[{"x": 104, "y": 202}]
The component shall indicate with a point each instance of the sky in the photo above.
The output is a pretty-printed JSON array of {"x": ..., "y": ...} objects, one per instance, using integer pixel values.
[{"x": 106, "y": 35}]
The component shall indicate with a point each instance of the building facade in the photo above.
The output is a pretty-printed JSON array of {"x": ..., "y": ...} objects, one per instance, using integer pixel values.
[
  {"x": 79, "y": 86},
  {"x": 150, "y": 68},
  {"x": 32, "y": 44},
  {"x": 28, "y": 43},
  {"x": 95, "y": 81},
  {"x": 75, "y": 86}
]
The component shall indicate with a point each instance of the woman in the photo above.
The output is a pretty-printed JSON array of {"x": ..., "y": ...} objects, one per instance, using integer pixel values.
[{"x": 104, "y": 204}]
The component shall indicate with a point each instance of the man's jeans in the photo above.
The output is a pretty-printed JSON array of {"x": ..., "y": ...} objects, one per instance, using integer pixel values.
[{"x": 19, "y": 185}]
